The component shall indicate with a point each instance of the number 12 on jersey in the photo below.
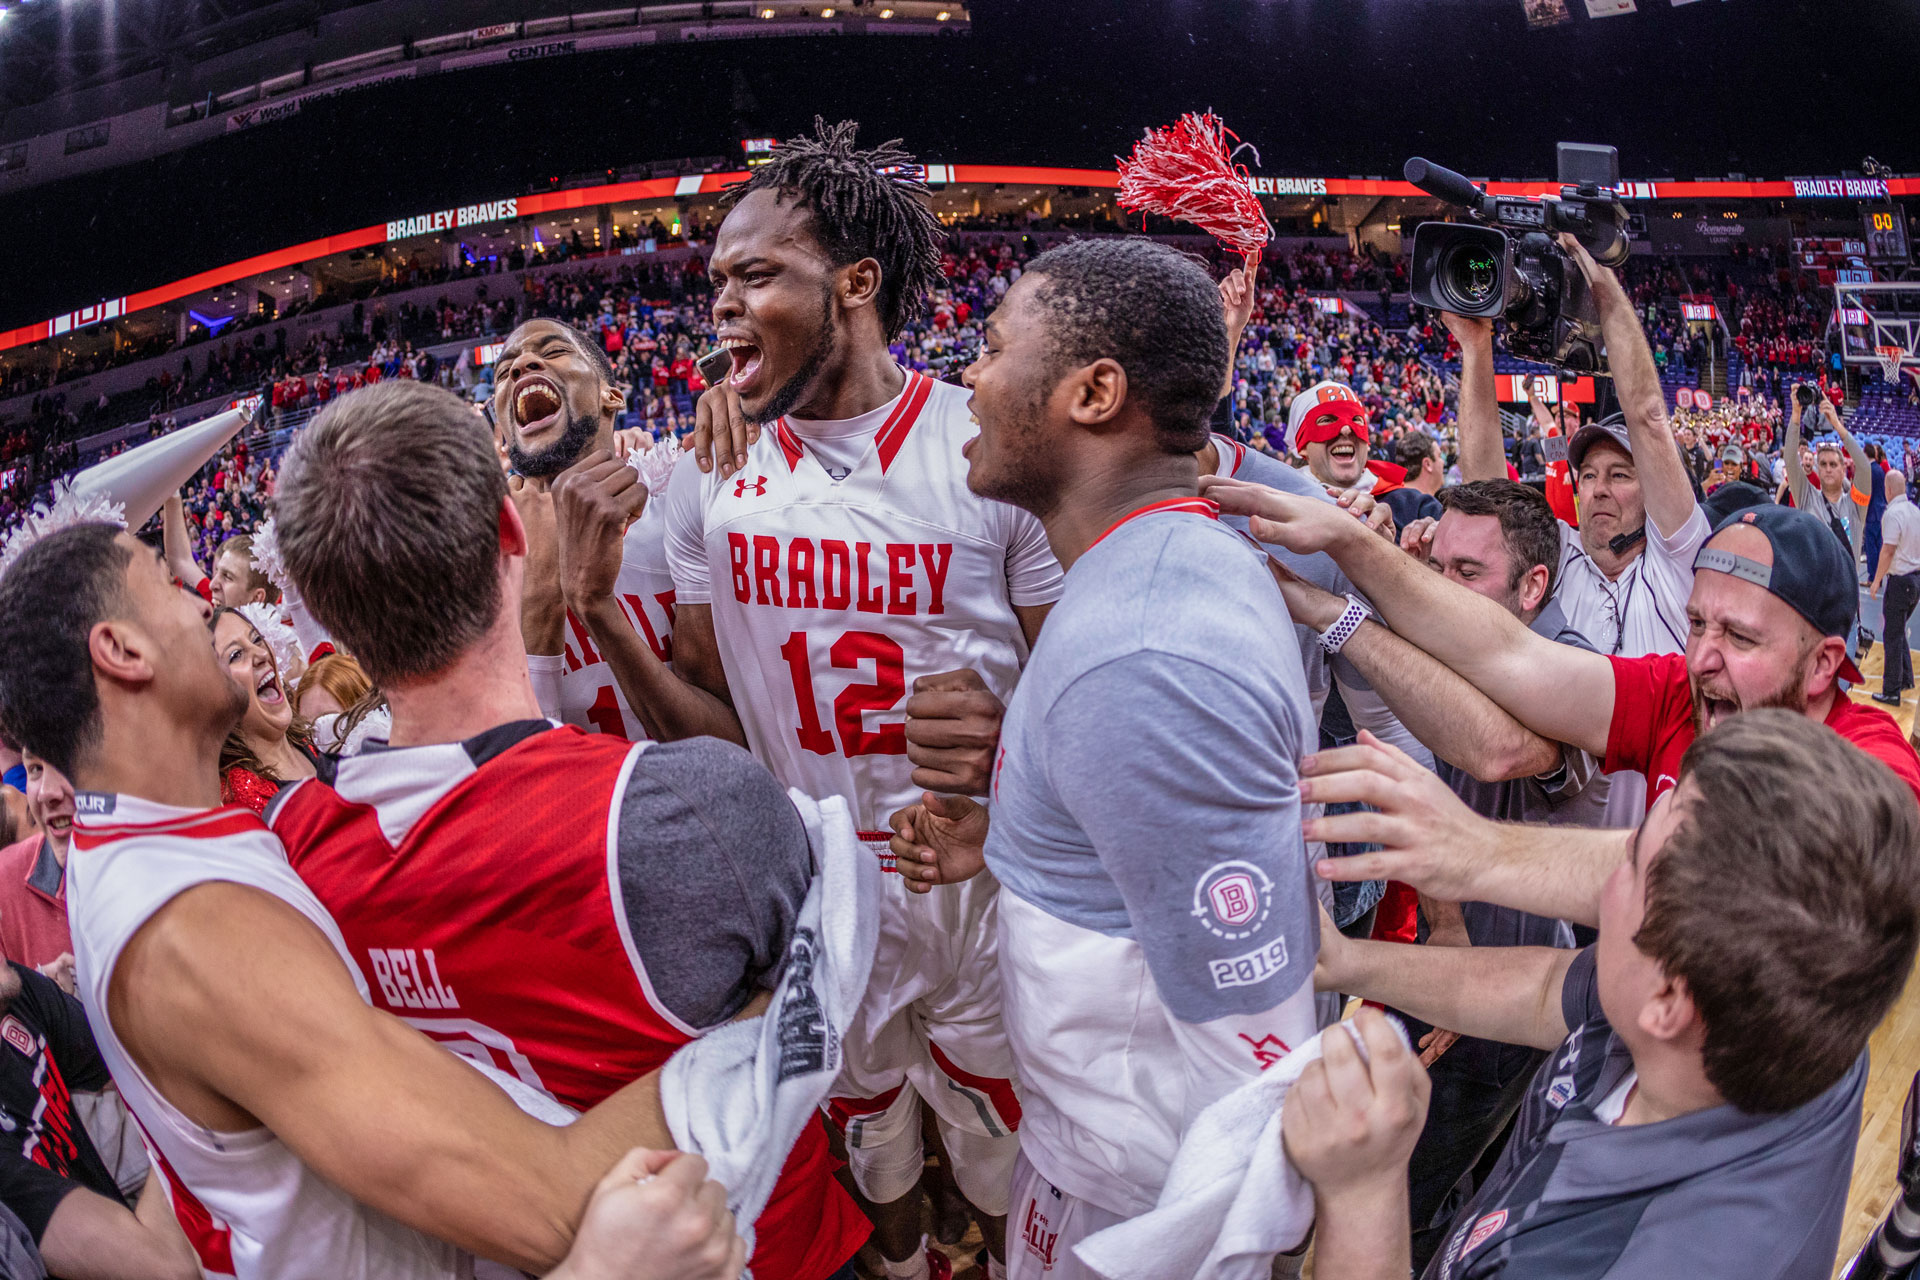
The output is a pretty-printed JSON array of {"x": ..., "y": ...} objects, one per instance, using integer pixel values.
[{"x": 888, "y": 687}]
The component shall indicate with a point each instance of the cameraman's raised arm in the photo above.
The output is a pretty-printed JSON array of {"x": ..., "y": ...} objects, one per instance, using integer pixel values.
[
  {"x": 1636, "y": 385},
  {"x": 1482, "y": 456}
]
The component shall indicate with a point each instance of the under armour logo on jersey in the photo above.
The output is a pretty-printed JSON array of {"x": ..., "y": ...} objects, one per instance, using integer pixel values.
[{"x": 759, "y": 485}]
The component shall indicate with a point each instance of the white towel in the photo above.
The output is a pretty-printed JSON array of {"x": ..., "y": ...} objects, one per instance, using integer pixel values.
[
  {"x": 741, "y": 1095},
  {"x": 1232, "y": 1199}
]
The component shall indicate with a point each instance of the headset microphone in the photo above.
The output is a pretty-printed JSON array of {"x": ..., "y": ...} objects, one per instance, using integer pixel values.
[{"x": 1626, "y": 542}]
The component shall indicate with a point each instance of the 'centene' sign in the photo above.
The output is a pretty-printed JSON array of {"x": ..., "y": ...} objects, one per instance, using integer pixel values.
[
  {"x": 447, "y": 219},
  {"x": 1840, "y": 188}
]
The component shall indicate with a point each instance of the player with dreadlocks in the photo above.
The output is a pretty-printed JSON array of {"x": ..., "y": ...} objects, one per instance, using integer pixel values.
[{"x": 849, "y": 610}]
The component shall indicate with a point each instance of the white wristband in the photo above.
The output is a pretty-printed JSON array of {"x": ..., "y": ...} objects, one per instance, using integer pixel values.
[{"x": 1337, "y": 635}]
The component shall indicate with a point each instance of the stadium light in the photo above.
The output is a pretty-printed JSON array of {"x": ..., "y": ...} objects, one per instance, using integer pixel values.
[
  {"x": 766, "y": 13},
  {"x": 886, "y": 13},
  {"x": 826, "y": 13},
  {"x": 943, "y": 15}
]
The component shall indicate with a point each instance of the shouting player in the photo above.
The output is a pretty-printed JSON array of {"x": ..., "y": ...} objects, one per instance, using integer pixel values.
[
  {"x": 575, "y": 940},
  {"x": 555, "y": 397},
  {"x": 1146, "y": 817},
  {"x": 297, "y": 1130},
  {"x": 843, "y": 565}
]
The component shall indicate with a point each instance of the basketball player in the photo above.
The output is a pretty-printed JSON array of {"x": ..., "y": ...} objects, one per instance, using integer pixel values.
[
  {"x": 578, "y": 935},
  {"x": 297, "y": 1130},
  {"x": 555, "y": 398},
  {"x": 845, "y": 564},
  {"x": 1157, "y": 922}
]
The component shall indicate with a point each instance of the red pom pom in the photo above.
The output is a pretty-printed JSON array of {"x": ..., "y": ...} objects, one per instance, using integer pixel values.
[{"x": 1186, "y": 171}]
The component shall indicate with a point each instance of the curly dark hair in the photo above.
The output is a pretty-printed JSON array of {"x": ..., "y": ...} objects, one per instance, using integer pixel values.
[{"x": 859, "y": 211}]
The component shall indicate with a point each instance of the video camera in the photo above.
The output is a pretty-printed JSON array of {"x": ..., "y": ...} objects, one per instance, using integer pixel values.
[{"x": 1513, "y": 266}]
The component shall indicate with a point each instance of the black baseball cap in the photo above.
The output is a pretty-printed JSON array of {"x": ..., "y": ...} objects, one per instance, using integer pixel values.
[
  {"x": 1613, "y": 428},
  {"x": 1811, "y": 571}
]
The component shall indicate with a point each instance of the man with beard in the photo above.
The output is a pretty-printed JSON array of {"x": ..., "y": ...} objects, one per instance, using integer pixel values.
[
  {"x": 853, "y": 613},
  {"x": 555, "y": 398},
  {"x": 1626, "y": 570},
  {"x": 1773, "y": 599}
]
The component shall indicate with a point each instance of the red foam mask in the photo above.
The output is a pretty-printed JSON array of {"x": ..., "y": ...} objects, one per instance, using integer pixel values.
[{"x": 1324, "y": 422}]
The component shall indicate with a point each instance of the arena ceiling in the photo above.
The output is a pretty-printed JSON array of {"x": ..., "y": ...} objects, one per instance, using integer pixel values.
[{"x": 57, "y": 46}]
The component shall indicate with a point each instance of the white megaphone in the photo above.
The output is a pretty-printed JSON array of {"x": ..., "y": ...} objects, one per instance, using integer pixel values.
[{"x": 143, "y": 478}]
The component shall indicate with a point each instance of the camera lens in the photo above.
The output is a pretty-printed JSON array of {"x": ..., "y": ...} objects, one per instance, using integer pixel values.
[{"x": 1470, "y": 276}]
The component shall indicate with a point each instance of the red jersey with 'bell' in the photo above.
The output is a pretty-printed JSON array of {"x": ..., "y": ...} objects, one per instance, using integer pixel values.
[{"x": 482, "y": 904}]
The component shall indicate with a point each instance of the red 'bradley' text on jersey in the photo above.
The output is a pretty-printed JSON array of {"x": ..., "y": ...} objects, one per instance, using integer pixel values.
[
  {"x": 900, "y": 578},
  {"x": 579, "y": 649}
]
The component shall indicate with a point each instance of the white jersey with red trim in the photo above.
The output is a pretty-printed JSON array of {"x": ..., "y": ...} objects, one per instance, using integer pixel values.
[
  {"x": 844, "y": 562},
  {"x": 847, "y": 560},
  {"x": 249, "y": 1206},
  {"x": 589, "y": 695}
]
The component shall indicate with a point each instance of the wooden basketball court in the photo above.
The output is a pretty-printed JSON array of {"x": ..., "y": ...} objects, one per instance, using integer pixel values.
[{"x": 1895, "y": 1049}]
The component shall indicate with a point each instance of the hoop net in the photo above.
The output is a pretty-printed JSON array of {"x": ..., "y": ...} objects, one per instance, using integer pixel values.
[{"x": 1891, "y": 358}]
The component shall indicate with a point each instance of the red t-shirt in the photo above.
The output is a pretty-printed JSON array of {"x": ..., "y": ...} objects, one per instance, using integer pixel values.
[
  {"x": 33, "y": 921},
  {"x": 1653, "y": 725}
]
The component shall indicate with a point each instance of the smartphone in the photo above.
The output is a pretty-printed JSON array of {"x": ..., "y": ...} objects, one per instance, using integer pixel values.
[{"x": 715, "y": 366}]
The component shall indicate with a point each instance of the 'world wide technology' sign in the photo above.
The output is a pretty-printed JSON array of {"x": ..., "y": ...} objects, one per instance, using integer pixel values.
[{"x": 448, "y": 219}]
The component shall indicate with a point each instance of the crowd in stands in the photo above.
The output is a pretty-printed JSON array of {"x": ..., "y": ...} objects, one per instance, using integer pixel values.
[{"x": 651, "y": 318}]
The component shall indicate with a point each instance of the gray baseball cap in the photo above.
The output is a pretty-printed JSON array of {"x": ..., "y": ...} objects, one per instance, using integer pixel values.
[{"x": 1613, "y": 427}]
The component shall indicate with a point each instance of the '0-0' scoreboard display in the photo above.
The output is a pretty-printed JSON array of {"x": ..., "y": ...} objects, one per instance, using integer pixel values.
[{"x": 1886, "y": 229}]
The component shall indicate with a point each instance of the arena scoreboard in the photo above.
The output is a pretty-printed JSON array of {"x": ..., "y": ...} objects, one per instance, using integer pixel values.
[{"x": 1886, "y": 230}]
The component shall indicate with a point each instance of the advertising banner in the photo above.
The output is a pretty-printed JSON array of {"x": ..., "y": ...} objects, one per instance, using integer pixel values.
[
  {"x": 282, "y": 108},
  {"x": 549, "y": 47}
]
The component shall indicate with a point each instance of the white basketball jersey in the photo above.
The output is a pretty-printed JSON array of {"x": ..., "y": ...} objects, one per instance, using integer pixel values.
[
  {"x": 249, "y": 1206},
  {"x": 831, "y": 596},
  {"x": 589, "y": 695}
]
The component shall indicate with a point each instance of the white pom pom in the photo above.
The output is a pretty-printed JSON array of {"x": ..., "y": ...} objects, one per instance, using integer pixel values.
[
  {"x": 288, "y": 656},
  {"x": 655, "y": 467},
  {"x": 266, "y": 556},
  {"x": 66, "y": 510}
]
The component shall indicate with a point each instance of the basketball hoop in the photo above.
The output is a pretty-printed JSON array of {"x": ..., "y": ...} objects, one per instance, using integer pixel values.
[{"x": 1891, "y": 359}]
